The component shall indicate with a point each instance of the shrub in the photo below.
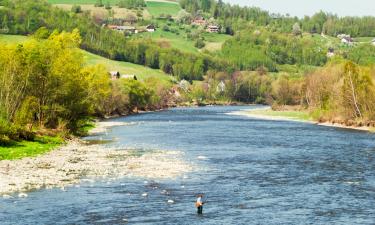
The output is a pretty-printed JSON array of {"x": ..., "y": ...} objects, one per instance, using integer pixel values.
[{"x": 76, "y": 9}]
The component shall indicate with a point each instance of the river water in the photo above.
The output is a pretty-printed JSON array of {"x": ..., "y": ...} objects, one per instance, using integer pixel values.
[{"x": 252, "y": 171}]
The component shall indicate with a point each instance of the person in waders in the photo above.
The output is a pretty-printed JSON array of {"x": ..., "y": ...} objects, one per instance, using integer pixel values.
[{"x": 199, "y": 204}]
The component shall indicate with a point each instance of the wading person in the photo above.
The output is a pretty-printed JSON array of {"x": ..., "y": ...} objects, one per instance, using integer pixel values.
[{"x": 199, "y": 204}]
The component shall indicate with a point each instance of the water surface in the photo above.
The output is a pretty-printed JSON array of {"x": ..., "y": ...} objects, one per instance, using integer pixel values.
[{"x": 252, "y": 171}]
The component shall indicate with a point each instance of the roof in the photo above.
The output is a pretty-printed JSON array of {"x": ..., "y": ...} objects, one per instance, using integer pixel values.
[{"x": 151, "y": 26}]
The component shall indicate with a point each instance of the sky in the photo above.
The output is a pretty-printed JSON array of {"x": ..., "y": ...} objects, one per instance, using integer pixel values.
[{"x": 309, "y": 7}]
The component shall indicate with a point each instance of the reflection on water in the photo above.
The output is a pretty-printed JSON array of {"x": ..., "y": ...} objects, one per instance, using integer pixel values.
[{"x": 251, "y": 170}]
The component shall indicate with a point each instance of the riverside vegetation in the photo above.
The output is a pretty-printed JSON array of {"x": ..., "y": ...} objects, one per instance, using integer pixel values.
[{"x": 49, "y": 92}]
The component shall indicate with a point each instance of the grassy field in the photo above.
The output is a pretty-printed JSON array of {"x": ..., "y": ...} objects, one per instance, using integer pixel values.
[
  {"x": 364, "y": 39},
  {"x": 92, "y": 2},
  {"x": 163, "y": 7},
  {"x": 17, "y": 150},
  {"x": 292, "y": 115},
  {"x": 117, "y": 12},
  {"x": 175, "y": 41},
  {"x": 12, "y": 39},
  {"x": 81, "y": 2},
  {"x": 141, "y": 72},
  {"x": 213, "y": 41}
]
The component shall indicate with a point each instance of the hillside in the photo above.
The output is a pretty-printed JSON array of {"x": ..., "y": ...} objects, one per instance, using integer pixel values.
[{"x": 141, "y": 72}]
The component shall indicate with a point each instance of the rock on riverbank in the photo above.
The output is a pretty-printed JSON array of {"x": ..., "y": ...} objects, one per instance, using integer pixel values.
[{"x": 69, "y": 164}]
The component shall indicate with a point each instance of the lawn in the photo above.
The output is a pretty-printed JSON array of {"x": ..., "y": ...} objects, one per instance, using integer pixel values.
[
  {"x": 17, "y": 150},
  {"x": 141, "y": 72},
  {"x": 81, "y": 2},
  {"x": 364, "y": 39},
  {"x": 163, "y": 7},
  {"x": 12, "y": 39},
  {"x": 213, "y": 41},
  {"x": 176, "y": 41},
  {"x": 292, "y": 115}
]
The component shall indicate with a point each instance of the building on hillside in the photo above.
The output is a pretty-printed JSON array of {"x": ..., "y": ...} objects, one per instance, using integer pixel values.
[
  {"x": 347, "y": 40},
  {"x": 199, "y": 21},
  {"x": 151, "y": 28},
  {"x": 115, "y": 75},
  {"x": 213, "y": 29}
]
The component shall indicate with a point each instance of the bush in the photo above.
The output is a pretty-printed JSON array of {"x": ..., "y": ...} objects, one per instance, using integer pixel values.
[
  {"x": 199, "y": 44},
  {"x": 99, "y": 3},
  {"x": 76, "y": 9},
  {"x": 166, "y": 28}
]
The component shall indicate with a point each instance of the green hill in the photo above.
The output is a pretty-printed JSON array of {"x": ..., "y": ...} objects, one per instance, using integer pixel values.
[{"x": 141, "y": 72}]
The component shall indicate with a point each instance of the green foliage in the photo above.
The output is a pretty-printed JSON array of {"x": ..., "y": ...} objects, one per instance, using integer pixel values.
[
  {"x": 99, "y": 3},
  {"x": 76, "y": 9},
  {"x": 131, "y": 4},
  {"x": 262, "y": 48},
  {"x": 138, "y": 94},
  {"x": 199, "y": 44},
  {"x": 41, "y": 33},
  {"x": 108, "y": 5}
]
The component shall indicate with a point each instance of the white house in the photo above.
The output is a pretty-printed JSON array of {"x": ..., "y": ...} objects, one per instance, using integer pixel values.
[{"x": 373, "y": 42}]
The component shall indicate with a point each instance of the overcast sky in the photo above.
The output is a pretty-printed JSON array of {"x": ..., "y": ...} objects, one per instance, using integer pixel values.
[{"x": 309, "y": 7}]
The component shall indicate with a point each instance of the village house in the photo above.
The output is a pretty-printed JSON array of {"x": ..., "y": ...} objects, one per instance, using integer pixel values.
[
  {"x": 150, "y": 28},
  {"x": 213, "y": 29},
  {"x": 199, "y": 21},
  {"x": 345, "y": 39}
]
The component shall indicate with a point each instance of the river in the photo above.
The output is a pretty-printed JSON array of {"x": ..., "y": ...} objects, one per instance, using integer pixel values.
[{"x": 252, "y": 171}]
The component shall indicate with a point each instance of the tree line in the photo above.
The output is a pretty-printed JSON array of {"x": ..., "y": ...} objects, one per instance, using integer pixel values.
[
  {"x": 45, "y": 86},
  {"x": 234, "y": 18}
]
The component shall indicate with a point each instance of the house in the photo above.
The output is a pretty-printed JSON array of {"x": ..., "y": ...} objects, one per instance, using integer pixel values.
[
  {"x": 150, "y": 28},
  {"x": 345, "y": 39},
  {"x": 373, "y": 42},
  {"x": 115, "y": 75},
  {"x": 199, "y": 21},
  {"x": 213, "y": 29}
]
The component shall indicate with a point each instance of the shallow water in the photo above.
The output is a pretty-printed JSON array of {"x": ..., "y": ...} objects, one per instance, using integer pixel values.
[{"x": 251, "y": 170}]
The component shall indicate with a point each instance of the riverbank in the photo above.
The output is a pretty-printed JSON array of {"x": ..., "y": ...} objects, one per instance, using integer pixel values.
[
  {"x": 266, "y": 113},
  {"x": 78, "y": 161}
]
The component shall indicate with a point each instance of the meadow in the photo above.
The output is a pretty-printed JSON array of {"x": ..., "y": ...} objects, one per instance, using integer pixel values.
[{"x": 156, "y": 8}]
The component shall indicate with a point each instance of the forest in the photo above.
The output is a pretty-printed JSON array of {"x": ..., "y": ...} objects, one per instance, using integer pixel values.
[{"x": 47, "y": 88}]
